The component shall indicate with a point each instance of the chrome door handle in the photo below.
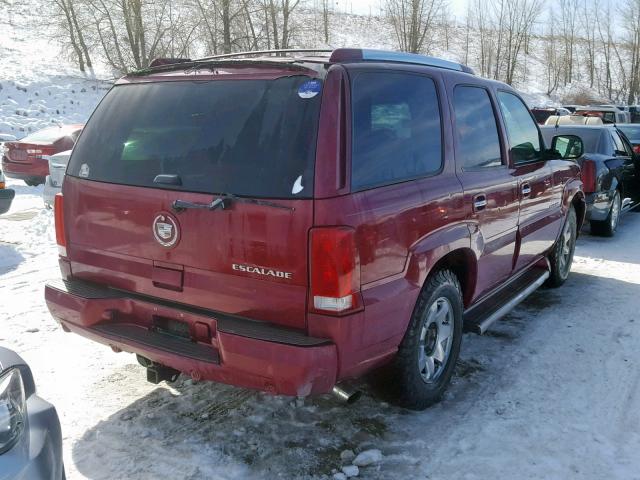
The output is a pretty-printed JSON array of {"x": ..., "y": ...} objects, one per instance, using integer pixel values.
[
  {"x": 479, "y": 202},
  {"x": 526, "y": 189}
]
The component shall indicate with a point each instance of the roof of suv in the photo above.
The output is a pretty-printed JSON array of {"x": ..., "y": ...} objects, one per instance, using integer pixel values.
[{"x": 272, "y": 61}]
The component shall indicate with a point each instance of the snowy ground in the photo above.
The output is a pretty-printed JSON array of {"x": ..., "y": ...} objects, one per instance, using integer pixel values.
[{"x": 552, "y": 391}]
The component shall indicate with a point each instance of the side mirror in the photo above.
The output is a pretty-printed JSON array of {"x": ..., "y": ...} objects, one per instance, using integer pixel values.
[{"x": 569, "y": 147}]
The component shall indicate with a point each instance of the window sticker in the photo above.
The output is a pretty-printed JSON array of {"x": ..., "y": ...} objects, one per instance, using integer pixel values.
[
  {"x": 84, "y": 171},
  {"x": 309, "y": 89},
  {"x": 297, "y": 186}
]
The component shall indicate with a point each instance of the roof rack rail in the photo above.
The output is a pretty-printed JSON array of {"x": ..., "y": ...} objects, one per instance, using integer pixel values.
[
  {"x": 339, "y": 55},
  {"x": 264, "y": 52},
  {"x": 371, "y": 55}
]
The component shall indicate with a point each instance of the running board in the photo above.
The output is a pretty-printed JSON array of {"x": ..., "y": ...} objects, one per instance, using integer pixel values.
[{"x": 480, "y": 317}]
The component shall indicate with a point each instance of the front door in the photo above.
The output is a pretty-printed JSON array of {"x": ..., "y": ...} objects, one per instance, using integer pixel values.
[
  {"x": 630, "y": 181},
  {"x": 537, "y": 225},
  {"x": 490, "y": 192}
]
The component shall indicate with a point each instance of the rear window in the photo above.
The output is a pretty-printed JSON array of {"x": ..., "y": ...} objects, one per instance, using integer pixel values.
[
  {"x": 51, "y": 134},
  {"x": 244, "y": 137}
]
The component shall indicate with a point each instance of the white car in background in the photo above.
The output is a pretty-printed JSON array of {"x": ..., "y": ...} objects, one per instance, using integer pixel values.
[{"x": 53, "y": 183}]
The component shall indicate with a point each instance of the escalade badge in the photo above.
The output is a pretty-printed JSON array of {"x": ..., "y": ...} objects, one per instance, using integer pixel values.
[{"x": 165, "y": 230}]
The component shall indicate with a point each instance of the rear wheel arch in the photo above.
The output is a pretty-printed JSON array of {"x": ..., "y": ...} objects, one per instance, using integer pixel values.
[{"x": 463, "y": 264}]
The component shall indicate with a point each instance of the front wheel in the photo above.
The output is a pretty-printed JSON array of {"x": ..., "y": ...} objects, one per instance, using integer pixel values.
[
  {"x": 428, "y": 353},
  {"x": 561, "y": 256}
]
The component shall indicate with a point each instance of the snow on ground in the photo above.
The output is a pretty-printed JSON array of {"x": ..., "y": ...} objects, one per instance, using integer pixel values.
[
  {"x": 38, "y": 88},
  {"x": 552, "y": 391}
]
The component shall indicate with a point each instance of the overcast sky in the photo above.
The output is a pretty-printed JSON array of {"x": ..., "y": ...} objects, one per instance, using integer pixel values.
[{"x": 365, "y": 6}]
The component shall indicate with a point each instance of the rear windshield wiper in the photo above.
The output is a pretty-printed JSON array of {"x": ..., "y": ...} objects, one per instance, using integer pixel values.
[{"x": 223, "y": 202}]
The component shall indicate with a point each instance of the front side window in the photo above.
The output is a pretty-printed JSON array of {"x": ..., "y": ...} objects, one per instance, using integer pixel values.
[
  {"x": 396, "y": 129},
  {"x": 522, "y": 131},
  {"x": 476, "y": 129}
]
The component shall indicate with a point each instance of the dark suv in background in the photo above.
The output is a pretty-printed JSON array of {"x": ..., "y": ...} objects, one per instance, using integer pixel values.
[{"x": 289, "y": 222}]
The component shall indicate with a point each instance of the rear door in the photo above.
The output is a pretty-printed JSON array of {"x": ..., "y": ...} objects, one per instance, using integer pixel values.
[
  {"x": 149, "y": 145},
  {"x": 537, "y": 223},
  {"x": 490, "y": 191}
]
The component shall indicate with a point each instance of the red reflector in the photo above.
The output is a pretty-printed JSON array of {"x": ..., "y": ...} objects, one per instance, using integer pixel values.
[
  {"x": 58, "y": 213},
  {"x": 335, "y": 269},
  {"x": 588, "y": 175}
]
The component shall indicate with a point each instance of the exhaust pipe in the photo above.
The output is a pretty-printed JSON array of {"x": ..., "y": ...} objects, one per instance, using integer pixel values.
[{"x": 346, "y": 394}]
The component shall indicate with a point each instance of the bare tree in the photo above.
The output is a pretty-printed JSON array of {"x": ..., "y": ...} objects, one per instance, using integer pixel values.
[
  {"x": 514, "y": 22},
  {"x": 75, "y": 33},
  {"x": 568, "y": 26},
  {"x": 413, "y": 22},
  {"x": 554, "y": 64},
  {"x": 631, "y": 15}
]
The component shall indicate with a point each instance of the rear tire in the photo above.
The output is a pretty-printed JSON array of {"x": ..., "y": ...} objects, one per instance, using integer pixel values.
[
  {"x": 561, "y": 256},
  {"x": 430, "y": 348},
  {"x": 607, "y": 228}
]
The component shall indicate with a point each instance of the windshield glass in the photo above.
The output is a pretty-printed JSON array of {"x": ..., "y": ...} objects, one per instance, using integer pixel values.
[
  {"x": 632, "y": 133},
  {"x": 245, "y": 137}
]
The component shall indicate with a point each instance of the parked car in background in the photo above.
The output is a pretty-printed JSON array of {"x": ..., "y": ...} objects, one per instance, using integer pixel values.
[
  {"x": 30, "y": 436},
  {"x": 610, "y": 173},
  {"x": 25, "y": 159},
  {"x": 632, "y": 132},
  {"x": 326, "y": 216},
  {"x": 574, "y": 120},
  {"x": 634, "y": 110},
  {"x": 6, "y": 195},
  {"x": 609, "y": 114},
  {"x": 53, "y": 183},
  {"x": 542, "y": 114},
  {"x": 572, "y": 108}
]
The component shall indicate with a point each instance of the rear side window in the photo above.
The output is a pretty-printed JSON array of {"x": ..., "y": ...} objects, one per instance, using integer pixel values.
[
  {"x": 245, "y": 137},
  {"x": 476, "y": 128},
  {"x": 396, "y": 129},
  {"x": 521, "y": 129},
  {"x": 619, "y": 144}
]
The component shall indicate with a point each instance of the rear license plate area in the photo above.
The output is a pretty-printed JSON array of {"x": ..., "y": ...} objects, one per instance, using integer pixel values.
[{"x": 172, "y": 327}]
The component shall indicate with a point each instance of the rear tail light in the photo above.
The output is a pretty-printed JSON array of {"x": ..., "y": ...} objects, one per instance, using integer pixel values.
[
  {"x": 636, "y": 149},
  {"x": 334, "y": 270},
  {"x": 58, "y": 209},
  {"x": 589, "y": 176}
]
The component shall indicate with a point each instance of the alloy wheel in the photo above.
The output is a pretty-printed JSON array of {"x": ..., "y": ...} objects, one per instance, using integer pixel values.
[{"x": 436, "y": 338}]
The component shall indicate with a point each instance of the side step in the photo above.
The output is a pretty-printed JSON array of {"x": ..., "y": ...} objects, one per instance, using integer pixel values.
[
  {"x": 480, "y": 317},
  {"x": 133, "y": 334}
]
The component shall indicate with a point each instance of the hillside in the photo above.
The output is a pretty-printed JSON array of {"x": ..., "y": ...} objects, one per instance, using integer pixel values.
[
  {"x": 40, "y": 86},
  {"x": 37, "y": 86}
]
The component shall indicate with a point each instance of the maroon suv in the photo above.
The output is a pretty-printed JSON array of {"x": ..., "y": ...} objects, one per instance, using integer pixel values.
[{"x": 287, "y": 223}]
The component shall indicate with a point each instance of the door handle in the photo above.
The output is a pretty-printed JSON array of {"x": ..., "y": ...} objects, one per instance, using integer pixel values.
[
  {"x": 526, "y": 189},
  {"x": 479, "y": 202}
]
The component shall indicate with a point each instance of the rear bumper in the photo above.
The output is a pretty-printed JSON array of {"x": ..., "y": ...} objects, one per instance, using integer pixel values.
[
  {"x": 38, "y": 453},
  {"x": 25, "y": 171},
  {"x": 598, "y": 205},
  {"x": 231, "y": 350}
]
